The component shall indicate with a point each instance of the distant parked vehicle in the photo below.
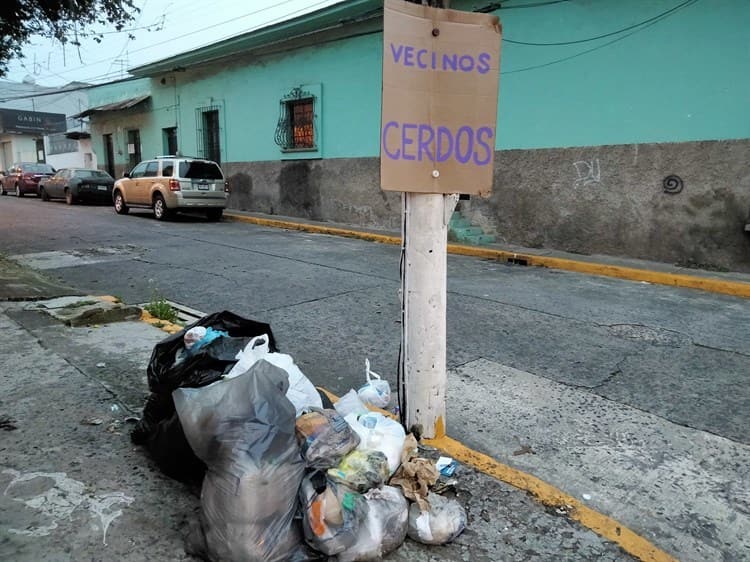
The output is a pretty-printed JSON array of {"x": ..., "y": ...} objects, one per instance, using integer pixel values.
[
  {"x": 168, "y": 184},
  {"x": 77, "y": 184},
  {"x": 24, "y": 177}
]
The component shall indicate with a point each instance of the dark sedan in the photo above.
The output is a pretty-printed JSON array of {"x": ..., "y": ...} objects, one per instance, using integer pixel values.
[{"x": 78, "y": 184}]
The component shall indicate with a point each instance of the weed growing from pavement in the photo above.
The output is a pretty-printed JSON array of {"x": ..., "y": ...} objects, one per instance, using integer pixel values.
[{"x": 159, "y": 307}]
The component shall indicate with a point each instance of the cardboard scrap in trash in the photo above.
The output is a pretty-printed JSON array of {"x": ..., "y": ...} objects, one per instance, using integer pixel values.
[{"x": 416, "y": 475}]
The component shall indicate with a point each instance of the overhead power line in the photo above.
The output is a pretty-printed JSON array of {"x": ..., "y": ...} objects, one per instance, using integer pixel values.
[{"x": 604, "y": 35}]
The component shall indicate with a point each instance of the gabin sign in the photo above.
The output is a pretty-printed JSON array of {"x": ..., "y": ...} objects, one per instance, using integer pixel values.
[{"x": 440, "y": 84}]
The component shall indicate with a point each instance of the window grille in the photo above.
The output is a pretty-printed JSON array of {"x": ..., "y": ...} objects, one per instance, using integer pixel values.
[
  {"x": 295, "y": 129},
  {"x": 208, "y": 130}
]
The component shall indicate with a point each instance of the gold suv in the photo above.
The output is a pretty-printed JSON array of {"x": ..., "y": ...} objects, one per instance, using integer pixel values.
[{"x": 169, "y": 184}]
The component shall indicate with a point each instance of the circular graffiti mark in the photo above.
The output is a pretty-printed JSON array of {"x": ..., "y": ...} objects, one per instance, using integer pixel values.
[{"x": 672, "y": 184}]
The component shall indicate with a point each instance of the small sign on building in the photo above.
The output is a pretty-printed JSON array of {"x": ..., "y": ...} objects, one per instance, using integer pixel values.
[{"x": 440, "y": 84}]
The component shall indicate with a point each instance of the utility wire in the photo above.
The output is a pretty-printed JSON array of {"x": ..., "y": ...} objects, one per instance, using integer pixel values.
[
  {"x": 499, "y": 6},
  {"x": 610, "y": 34},
  {"x": 550, "y": 63}
]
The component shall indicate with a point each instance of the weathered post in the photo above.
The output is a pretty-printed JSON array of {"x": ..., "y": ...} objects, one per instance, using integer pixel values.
[{"x": 440, "y": 83}]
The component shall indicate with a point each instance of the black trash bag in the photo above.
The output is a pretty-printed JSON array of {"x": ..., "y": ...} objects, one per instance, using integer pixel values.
[
  {"x": 243, "y": 429},
  {"x": 159, "y": 429}
]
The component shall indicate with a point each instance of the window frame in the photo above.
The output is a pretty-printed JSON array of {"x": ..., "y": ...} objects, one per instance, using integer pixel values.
[{"x": 287, "y": 98}]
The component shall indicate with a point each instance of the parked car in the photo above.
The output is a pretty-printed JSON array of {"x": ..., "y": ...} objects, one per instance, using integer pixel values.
[
  {"x": 77, "y": 184},
  {"x": 169, "y": 184},
  {"x": 23, "y": 178}
]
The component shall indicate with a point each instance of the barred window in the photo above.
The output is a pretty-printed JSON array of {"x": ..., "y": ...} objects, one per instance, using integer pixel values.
[{"x": 295, "y": 129}]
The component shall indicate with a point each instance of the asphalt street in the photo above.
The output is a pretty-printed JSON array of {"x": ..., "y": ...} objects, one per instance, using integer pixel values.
[{"x": 630, "y": 395}]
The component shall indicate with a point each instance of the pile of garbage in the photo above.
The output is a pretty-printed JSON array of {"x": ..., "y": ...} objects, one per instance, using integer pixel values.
[{"x": 285, "y": 474}]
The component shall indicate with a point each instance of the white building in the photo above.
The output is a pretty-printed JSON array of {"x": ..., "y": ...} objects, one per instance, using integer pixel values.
[{"x": 35, "y": 125}]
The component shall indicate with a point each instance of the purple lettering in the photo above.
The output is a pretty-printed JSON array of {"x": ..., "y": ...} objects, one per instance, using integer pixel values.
[
  {"x": 483, "y": 67},
  {"x": 443, "y": 133},
  {"x": 421, "y": 52},
  {"x": 483, "y": 131},
  {"x": 466, "y": 63},
  {"x": 434, "y": 60},
  {"x": 464, "y": 158},
  {"x": 405, "y": 140},
  {"x": 424, "y": 143},
  {"x": 397, "y": 52},
  {"x": 409, "y": 56},
  {"x": 450, "y": 61},
  {"x": 392, "y": 155}
]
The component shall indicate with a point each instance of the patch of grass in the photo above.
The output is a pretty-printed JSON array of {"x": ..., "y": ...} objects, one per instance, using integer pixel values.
[{"x": 161, "y": 309}]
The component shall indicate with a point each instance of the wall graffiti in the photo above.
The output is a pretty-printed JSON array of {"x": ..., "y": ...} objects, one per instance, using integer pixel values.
[{"x": 588, "y": 172}]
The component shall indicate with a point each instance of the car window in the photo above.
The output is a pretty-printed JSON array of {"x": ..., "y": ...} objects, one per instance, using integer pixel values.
[
  {"x": 200, "y": 170},
  {"x": 63, "y": 174},
  {"x": 152, "y": 169},
  {"x": 39, "y": 168},
  {"x": 138, "y": 171},
  {"x": 167, "y": 168},
  {"x": 91, "y": 174}
]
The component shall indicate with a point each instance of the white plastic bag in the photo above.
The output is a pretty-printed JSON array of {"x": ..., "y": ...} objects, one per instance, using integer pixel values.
[
  {"x": 444, "y": 521},
  {"x": 376, "y": 391},
  {"x": 379, "y": 433},
  {"x": 301, "y": 391},
  {"x": 384, "y": 528},
  {"x": 350, "y": 403}
]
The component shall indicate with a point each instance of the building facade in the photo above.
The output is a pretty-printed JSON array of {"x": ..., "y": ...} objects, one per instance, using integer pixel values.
[{"x": 623, "y": 127}]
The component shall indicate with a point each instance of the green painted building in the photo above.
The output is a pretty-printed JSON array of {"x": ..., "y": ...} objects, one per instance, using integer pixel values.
[{"x": 600, "y": 102}]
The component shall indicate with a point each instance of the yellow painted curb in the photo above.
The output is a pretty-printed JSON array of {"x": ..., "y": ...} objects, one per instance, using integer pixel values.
[
  {"x": 547, "y": 494},
  {"x": 602, "y": 525},
  {"x": 710, "y": 284},
  {"x": 159, "y": 323}
]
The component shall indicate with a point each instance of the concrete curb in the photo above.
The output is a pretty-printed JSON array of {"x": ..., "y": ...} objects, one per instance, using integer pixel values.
[{"x": 710, "y": 284}]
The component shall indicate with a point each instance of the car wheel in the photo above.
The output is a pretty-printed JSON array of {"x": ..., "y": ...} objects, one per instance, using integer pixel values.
[
  {"x": 2, "y": 190},
  {"x": 43, "y": 194},
  {"x": 19, "y": 193},
  {"x": 160, "y": 208},
  {"x": 120, "y": 207},
  {"x": 214, "y": 214},
  {"x": 69, "y": 199}
]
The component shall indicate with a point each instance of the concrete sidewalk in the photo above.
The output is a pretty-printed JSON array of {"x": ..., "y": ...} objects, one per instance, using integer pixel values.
[
  {"x": 75, "y": 488},
  {"x": 70, "y": 473}
]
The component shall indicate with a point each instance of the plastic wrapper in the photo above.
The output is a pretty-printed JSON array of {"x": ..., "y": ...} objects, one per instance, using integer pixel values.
[
  {"x": 301, "y": 391},
  {"x": 384, "y": 528},
  {"x": 440, "y": 524},
  {"x": 380, "y": 433},
  {"x": 350, "y": 403},
  {"x": 376, "y": 392},
  {"x": 325, "y": 438},
  {"x": 243, "y": 429},
  {"x": 361, "y": 470},
  {"x": 332, "y": 514}
]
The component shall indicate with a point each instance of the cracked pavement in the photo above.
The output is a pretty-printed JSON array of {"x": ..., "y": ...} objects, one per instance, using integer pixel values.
[{"x": 633, "y": 394}]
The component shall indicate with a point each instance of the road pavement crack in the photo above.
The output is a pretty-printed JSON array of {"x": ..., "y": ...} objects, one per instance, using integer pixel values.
[
  {"x": 192, "y": 269},
  {"x": 318, "y": 299},
  {"x": 713, "y": 348}
]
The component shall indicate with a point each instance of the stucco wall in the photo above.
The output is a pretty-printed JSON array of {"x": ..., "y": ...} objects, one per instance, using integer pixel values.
[{"x": 590, "y": 200}]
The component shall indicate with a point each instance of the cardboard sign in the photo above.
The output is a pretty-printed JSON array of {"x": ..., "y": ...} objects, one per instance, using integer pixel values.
[{"x": 440, "y": 82}]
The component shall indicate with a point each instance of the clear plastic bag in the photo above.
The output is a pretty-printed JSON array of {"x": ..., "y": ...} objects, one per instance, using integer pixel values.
[
  {"x": 443, "y": 522},
  {"x": 380, "y": 433},
  {"x": 302, "y": 392},
  {"x": 243, "y": 429},
  {"x": 332, "y": 514},
  {"x": 325, "y": 438},
  {"x": 361, "y": 470},
  {"x": 384, "y": 528},
  {"x": 350, "y": 403},
  {"x": 376, "y": 392}
]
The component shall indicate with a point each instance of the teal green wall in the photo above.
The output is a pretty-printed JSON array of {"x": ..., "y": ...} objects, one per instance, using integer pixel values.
[{"x": 686, "y": 77}]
